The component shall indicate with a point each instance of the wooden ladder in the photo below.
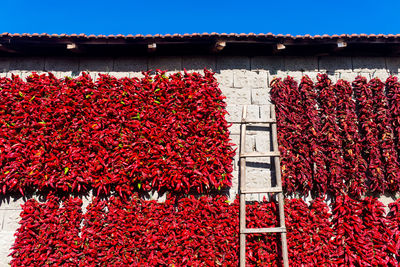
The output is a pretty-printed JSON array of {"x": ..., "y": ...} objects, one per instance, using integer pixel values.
[{"x": 276, "y": 189}]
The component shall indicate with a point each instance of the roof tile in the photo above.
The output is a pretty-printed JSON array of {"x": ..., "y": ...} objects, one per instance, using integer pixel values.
[{"x": 205, "y": 34}]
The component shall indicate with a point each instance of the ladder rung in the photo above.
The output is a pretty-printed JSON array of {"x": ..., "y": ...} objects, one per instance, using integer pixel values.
[
  {"x": 262, "y": 190},
  {"x": 263, "y": 230},
  {"x": 268, "y": 120},
  {"x": 260, "y": 154}
]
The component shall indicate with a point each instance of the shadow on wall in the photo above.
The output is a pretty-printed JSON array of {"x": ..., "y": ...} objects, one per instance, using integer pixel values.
[{"x": 274, "y": 65}]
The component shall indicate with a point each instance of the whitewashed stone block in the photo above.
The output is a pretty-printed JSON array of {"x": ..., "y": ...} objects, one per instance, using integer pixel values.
[
  {"x": 349, "y": 76},
  {"x": 6, "y": 241},
  {"x": 265, "y": 111},
  {"x": 11, "y": 219},
  {"x": 138, "y": 75},
  {"x": 234, "y": 113},
  {"x": 381, "y": 74},
  {"x": 260, "y": 96},
  {"x": 238, "y": 97},
  {"x": 250, "y": 79},
  {"x": 225, "y": 78},
  {"x": 250, "y": 143},
  {"x": 234, "y": 129},
  {"x": 118, "y": 74},
  {"x": 263, "y": 141}
]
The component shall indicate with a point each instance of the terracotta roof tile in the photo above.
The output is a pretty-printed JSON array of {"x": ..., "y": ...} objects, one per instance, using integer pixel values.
[{"x": 204, "y": 34}]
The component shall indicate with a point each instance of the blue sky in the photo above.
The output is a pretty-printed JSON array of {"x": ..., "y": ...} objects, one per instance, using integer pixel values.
[{"x": 153, "y": 16}]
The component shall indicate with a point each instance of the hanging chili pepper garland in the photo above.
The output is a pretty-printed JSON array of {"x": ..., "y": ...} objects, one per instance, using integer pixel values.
[
  {"x": 393, "y": 95},
  {"x": 349, "y": 148},
  {"x": 354, "y": 164},
  {"x": 159, "y": 132},
  {"x": 329, "y": 138},
  {"x": 308, "y": 131},
  {"x": 49, "y": 233},
  {"x": 386, "y": 137},
  {"x": 203, "y": 231}
]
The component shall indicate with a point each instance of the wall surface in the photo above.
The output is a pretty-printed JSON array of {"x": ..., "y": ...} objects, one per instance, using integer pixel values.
[{"x": 243, "y": 80}]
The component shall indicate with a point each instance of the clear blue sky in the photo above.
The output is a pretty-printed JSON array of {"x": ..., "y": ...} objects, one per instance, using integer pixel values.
[{"x": 153, "y": 16}]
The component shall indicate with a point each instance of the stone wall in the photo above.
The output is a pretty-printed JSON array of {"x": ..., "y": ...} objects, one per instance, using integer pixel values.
[{"x": 243, "y": 80}]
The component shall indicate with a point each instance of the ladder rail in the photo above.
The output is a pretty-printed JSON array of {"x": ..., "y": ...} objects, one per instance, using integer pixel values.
[
  {"x": 242, "y": 204},
  {"x": 281, "y": 201},
  {"x": 277, "y": 189}
]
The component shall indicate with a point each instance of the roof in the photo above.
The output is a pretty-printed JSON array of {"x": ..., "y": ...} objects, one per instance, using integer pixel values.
[
  {"x": 200, "y": 43},
  {"x": 187, "y": 35}
]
